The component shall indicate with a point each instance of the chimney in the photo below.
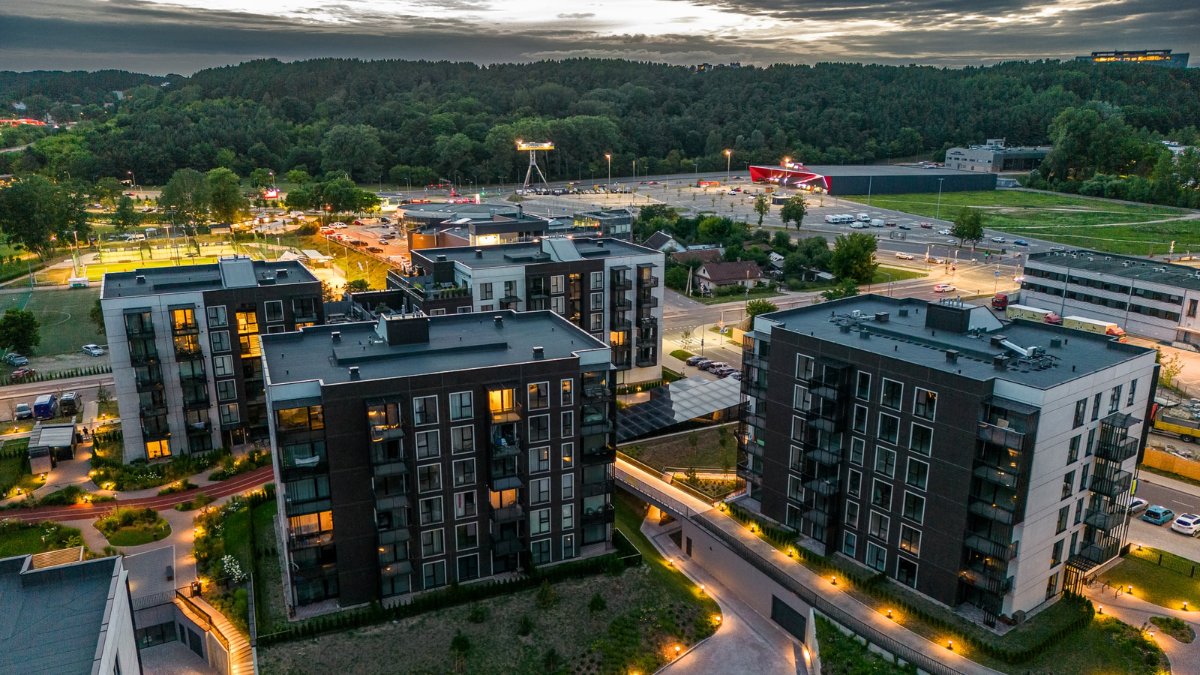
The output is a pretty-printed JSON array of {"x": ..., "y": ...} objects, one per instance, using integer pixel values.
[
  {"x": 998, "y": 340},
  {"x": 336, "y": 335},
  {"x": 1055, "y": 343},
  {"x": 881, "y": 317},
  {"x": 1000, "y": 362},
  {"x": 499, "y": 321},
  {"x": 864, "y": 333},
  {"x": 141, "y": 278},
  {"x": 903, "y": 311},
  {"x": 354, "y": 373},
  {"x": 539, "y": 353},
  {"x": 845, "y": 328},
  {"x": 952, "y": 356},
  {"x": 478, "y": 253}
]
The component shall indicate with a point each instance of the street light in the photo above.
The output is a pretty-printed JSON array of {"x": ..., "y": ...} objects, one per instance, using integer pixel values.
[
  {"x": 132, "y": 179},
  {"x": 939, "y": 206},
  {"x": 728, "y": 159},
  {"x": 608, "y": 157}
]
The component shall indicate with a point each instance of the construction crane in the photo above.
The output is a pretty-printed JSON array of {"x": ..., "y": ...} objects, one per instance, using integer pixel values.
[{"x": 533, "y": 165}]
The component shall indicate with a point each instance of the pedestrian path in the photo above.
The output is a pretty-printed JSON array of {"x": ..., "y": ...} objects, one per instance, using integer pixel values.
[
  {"x": 241, "y": 660},
  {"x": 1185, "y": 658},
  {"x": 1178, "y": 485}
]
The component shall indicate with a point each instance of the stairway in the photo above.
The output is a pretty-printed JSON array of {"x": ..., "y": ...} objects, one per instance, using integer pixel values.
[{"x": 241, "y": 660}]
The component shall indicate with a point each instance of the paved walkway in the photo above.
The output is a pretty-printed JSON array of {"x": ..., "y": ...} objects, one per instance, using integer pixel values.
[
  {"x": 173, "y": 658},
  {"x": 241, "y": 659},
  {"x": 1185, "y": 658},
  {"x": 1147, "y": 477}
]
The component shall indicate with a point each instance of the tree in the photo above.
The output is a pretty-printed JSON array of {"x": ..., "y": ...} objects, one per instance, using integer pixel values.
[
  {"x": 782, "y": 243},
  {"x": 845, "y": 289},
  {"x": 225, "y": 195},
  {"x": 756, "y": 307},
  {"x": 126, "y": 216},
  {"x": 260, "y": 178},
  {"x": 36, "y": 213},
  {"x": 853, "y": 258},
  {"x": 186, "y": 194},
  {"x": 298, "y": 176},
  {"x": 106, "y": 190},
  {"x": 358, "y": 286},
  {"x": 793, "y": 211},
  {"x": 19, "y": 331},
  {"x": 459, "y": 645},
  {"x": 968, "y": 225},
  {"x": 353, "y": 150},
  {"x": 761, "y": 206},
  {"x": 96, "y": 316},
  {"x": 1169, "y": 367}
]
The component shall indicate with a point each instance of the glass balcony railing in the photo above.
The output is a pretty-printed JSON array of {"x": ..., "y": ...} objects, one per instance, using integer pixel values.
[
  {"x": 1006, "y": 478},
  {"x": 1117, "y": 450},
  {"x": 1103, "y": 519},
  {"x": 990, "y": 548},
  {"x": 992, "y": 511},
  {"x": 507, "y": 514}
]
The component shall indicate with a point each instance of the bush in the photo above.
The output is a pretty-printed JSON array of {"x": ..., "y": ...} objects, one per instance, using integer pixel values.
[
  {"x": 597, "y": 604},
  {"x": 477, "y": 614},
  {"x": 547, "y": 597},
  {"x": 524, "y": 626},
  {"x": 178, "y": 486}
]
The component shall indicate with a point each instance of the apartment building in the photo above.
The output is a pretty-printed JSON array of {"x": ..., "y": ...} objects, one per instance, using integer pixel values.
[
  {"x": 415, "y": 452},
  {"x": 1145, "y": 297},
  {"x": 607, "y": 287},
  {"x": 185, "y": 353},
  {"x": 975, "y": 461}
]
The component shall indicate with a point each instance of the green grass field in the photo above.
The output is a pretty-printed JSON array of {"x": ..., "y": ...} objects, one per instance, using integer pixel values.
[
  {"x": 63, "y": 315},
  {"x": 1072, "y": 221},
  {"x": 96, "y": 272}
]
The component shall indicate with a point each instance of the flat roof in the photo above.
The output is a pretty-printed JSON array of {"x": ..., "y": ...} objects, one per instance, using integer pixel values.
[
  {"x": 905, "y": 338},
  {"x": 456, "y": 342},
  {"x": 229, "y": 272},
  {"x": 834, "y": 171},
  {"x": 148, "y": 573},
  {"x": 1128, "y": 267},
  {"x": 554, "y": 249}
]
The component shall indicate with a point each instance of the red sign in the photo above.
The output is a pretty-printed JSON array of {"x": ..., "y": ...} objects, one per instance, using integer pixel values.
[{"x": 271, "y": 194}]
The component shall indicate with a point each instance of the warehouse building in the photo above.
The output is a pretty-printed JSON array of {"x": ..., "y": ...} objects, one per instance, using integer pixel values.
[
  {"x": 1153, "y": 57},
  {"x": 994, "y": 157},
  {"x": 873, "y": 179}
]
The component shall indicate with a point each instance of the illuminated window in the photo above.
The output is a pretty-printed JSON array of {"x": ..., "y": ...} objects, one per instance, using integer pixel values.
[{"x": 157, "y": 449}]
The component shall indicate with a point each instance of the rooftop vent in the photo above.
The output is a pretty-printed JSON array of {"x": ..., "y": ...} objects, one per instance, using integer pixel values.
[
  {"x": 845, "y": 327},
  {"x": 1000, "y": 362},
  {"x": 998, "y": 340},
  {"x": 281, "y": 273},
  {"x": 1055, "y": 343},
  {"x": 881, "y": 317},
  {"x": 141, "y": 278},
  {"x": 903, "y": 311},
  {"x": 499, "y": 321},
  {"x": 539, "y": 352},
  {"x": 864, "y": 333},
  {"x": 478, "y": 253},
  {"x": 952, "y": 355},
  {"x": 354, "y": 372},
  {"x": 336, "y": 335},
  {"x": 441, "y": 257}
]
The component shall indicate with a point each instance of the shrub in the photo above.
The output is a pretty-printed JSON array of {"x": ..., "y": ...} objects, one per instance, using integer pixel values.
[
  {"x": 178, "y": 486},
  {"x": 524, "y": 626},
  {"x": 547, "y": 597},
  {"x": 597, "y": 604},
  {"x": 477, "y": 614},
  {"x": 551, "y": 661}
]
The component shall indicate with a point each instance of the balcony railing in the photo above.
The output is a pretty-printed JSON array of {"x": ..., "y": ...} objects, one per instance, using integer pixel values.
[
  {"x": 648, "y": 301},
  {"x": 505, "y": 446},
  {"x": 197, "y": 404},
  {"x": 987, "y": 582},
  {"x": 156, "y": 433},
  {"x": 507, "y": 546},
  {"x": 990, "y": 548},
  {"x": 822, "y": 486},
  {"x": 817, "y": 517},
  {"x": 199, "y": 428},
  {"x": 1104, "y": 520},
  {"x": 1001, "y": 436},
  {"x": 621, "y": 324},
  {"x": 1117, "y": 451},
  {"x": 600, "y": 514},
  {"x": 992, "y": 511},
  {"x": 823, "y": 456},
  {"x": 648, "y": 282},
  {"x": 148, "y": 384},
  {"x": 1097, "y": 553},
  {"x": 597, "y": 393},
  {"x": 139, "y": 331},
  {"x": 620, "y": 302},
  {"x": 391, "y": 502},
  {"x": 386, "y": 432},
  {"x": 646, "y": 361},
  {"x": 596, "y": 425},
  {"x": 187, "y": 328},
  {"x": 1111, "y": 483},
  {"x": 601, "y": 455},
  {"x": 829, "y": 391},
  {"x": 1006, "y": 478},
  {"x": 507, "y": 514},
  {"x": 598, "y": 488},
  {"x": 141, "y": 358},
  {"x": 298, "y": 542},
  {"x": 622, "y": 283},
  {"x": 187, "y": 352},
  {"x": 393, "y": 468}
]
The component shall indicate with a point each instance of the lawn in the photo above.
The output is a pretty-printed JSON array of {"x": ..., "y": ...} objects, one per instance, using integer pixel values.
[
  {"x": 679, "y": 451},
  {"x": 14, "y": 470},
  {"x": 1106, "y": 645},
  {"x": 1073, "y": 221},
  {"x": 896, "y": 274},
  {"x": 97, "y": 271},
  {"x": 63, "y": 315},
  {"x": 1152, "y": 583},
  {"x": 647, "y": 611},
  {"x": 17, "y": 538},
  {"x": 755, "y": 294},
  {"x": 133, "y": 527},
  {"x": 353, "y": 264},
  {"x": 682, "y": 354}
]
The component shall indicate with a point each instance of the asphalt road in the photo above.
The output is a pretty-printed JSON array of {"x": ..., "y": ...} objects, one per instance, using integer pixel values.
[
  {"x": 11, "y": 395},
  {"x": 1160, "y": 495}
]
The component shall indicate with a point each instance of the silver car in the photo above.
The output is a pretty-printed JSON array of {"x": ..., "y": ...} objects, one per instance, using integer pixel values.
[{"x": 93, "y": 350}]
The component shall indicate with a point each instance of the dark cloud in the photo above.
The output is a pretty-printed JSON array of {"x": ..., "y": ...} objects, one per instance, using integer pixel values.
[{"x": 147, "y": 37}]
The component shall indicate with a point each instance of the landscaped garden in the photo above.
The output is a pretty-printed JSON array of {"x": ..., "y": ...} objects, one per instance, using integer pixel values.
[
  {"x": 133, "y": 527},
  {"x": 18, "y": 538},
  {"x": 110, "y": 472},
  {"x": 231, "y": 466},
  {"x": 15, "y": 478},
  {"x": 1155, "y": 576},
  {"x": 712, "y": 448}
]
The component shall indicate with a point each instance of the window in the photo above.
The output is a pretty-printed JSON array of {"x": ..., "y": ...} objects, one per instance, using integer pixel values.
[
  {"x": 878, "y": 525},
  {"x": 434, "y": 574},
  {"x": 1191, "y": 310},
  {"x": 1056, "y": 554},
  {"x": 430, "y": 510},
  {"x": 910, "y": 540},
  {"x": 568, "y": 425},
  {"x": 567, "y": 392},
  {"x": 799, "y": 429},
  {"x": 914, "y": 507},
  {"x": 1091, "y": 443},
  {"x": 849, "y": 543},
  {"x": 851, "y": 514},
  {"x": 885, "y": 461},
  {"x": 1083, "y": 477},
  {"x": 462, "y": 439},
  {"x": 466, "y": 536},
  {"x": 924, "y": 403},
  {"x": 854, "y": 484},
  {"x": 860, "y": 419},
  {"x": 889, "y": 428},
  {"x": 568, "y": 545},
  {"x": 556, "y": 284},
  {"x": 464, "y": 472},
  {"x": 429, "y": 477},
  {"x": 917, "y": 475},
  {"x": 596, "y": 321},
  {"x": 1063, "y": 513},
  {"x": 217, "y": 318},
  {"x": 1052, "y": 586},
  {"x": 795, "y": 489},
  {"x": 881, "y": 494},
  {"x": 539, "y": 459},
  {"x": 219, "y": 340},
  {"x": 862, "y": 388},
  {"x": 273, "y": 309},
  {"x": 432, "y": 543},
  {"x": 893, "y": 393},
  {"x": 597, "y": 302},
  {"x": 539, "y": 395},
  {"x": 1073, "y": 449},
  {"x": 226, "y": 390},
  {"x": 1133, "y": 389},
  {"x": 464, "y": 504},
  {"x": 425, "y": 410},
  {"x": 801, "y": 398},
  {"x": 223, "y": 366},
  {"x": 906, "y": 572},
  {"x": 805, "y": 367},
  {"x": 539, "y": 522},
  {"x": 229, "y": 413},
  {"x": 427, "y": 444},
  {"x": 1096, "y": 406},
  {"x": 539, "y": 552},
  {"x": 597, "y": 281},
  {"x": 156, "y": 449},
  {"x": 920, "y": 440},
  {"x": 539, "y": 491},
  {"x": 876, "y": 557},
  {"x": 1079, "y": 511},
  {"x": 857, "y": 447},
  {"x": 1080, "y": 413},
  {"x": 461, "y": 406},
  {"x": 468, "y": 567},
  {"x": 568, "y": 456},
  {"x": 558, "y": 304},
  {"x": 304, "y": 309},
  {"x": 567, "y": 518},
  {"x": 485, "y": 291},
  {"x": 539, "y": 428},
  {"x": 1114, "y": 399},
  {"x": 1068, "y": 484},
  {"x": 568, "y": 487}
]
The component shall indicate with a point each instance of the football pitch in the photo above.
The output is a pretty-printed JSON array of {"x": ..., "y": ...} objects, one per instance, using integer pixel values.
[{"x": 63, "y": 315}]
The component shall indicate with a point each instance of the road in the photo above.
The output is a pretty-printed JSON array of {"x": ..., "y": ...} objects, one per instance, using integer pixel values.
[{"x": 13, "y": 394}]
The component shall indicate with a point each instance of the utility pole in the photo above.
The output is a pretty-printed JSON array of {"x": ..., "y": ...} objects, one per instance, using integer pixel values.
[{"x": 939, "y": 206}]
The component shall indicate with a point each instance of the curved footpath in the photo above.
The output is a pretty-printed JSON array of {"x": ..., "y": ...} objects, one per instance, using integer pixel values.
[{"x": 225, "y": 488}]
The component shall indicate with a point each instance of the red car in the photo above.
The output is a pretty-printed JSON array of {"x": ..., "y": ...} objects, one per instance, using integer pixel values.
[
  {"x": 22, "y": 373},
  {"x": 928, "y": 226}
]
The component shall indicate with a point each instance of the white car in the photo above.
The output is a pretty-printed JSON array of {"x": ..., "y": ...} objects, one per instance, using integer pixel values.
[
  {"x": 943, "y": 232},
  {"x": 998, "y": 240},
  {"x": 1187, "y": 523},
  {"x": 864, "y": 218},
  {"x": 93, "y": 350},
  {"x": 944, "y": 288},
  {"x": 904, "y": 256},
  {"x": 338, "y": 225},
  {"x": 857, "y": 226},
  {"x": 1138, "y": 504}
]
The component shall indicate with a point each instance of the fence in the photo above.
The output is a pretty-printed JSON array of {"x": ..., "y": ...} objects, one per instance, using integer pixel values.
[
  {"x": 57, "y": 375},
  {"x": 1169, "y": 562},
  {"x": 205, "y": 617}
]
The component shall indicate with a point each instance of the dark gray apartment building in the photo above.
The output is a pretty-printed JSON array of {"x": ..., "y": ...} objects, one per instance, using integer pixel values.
[
  {"x": 414, "y": 452},
  {"x": 976, "y": 461},
  {"x": 185, "y": 352}
]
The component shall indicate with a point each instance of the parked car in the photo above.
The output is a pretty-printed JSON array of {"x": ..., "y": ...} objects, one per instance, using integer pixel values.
[
  {"x": 45, "y": 406},
  {"x": 383, "y": 242},
  {"x": 903, "y": 256},
  {"x": 944, "y": 288},
  {"x": 998, "y": 240},
  {"x": 905, "y": 227},
  {"x": 1020, "y": 242},
  {"x": 943, "y": 232},
  {"x": 69, "y": 403},
  {"x": 1188, "y": 523},
  {"x": 927, "y": 226},
  {"x": 701, "y": 362},
  {"x": 22, "y": 373},
  {"x": 24, "y": 412},
  {"x": 864, "y": 217},
  {"x": 1057, "y": 249},
  {"x": 715, "y": 366},
  {"x": 737, "y": 376},
  {"x": 889, "y": 223},
  {"x": 726, "y": 372},
  {"x": 93, "y": 350},
  {"x": 1138, "y": 504},
  {"x": 694, "y": 359},
  {"x": 15, "y": 359},
  {"x": 374, "y": 249},
  {"x": 1158, "y": 515}
]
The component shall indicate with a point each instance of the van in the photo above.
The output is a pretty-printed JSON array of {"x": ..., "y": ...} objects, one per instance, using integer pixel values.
[
  {"x": 864, "y": 217},
  {"x": 1032, "y": 314},
  {"x": 45, "y": 407},
  {"x": 876, "y": 223},
  {"x": 1095, "y": 326},
  {"x": 832, "y": 218},
  {"x": 69, "y": 403}
]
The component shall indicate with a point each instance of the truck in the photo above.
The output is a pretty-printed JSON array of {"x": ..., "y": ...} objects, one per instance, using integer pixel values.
[
  {"x": 45, "y": 407},
  {"x": 1164, "y": 423},
  {"x": 1000, "y": 301},
  {"x": 1032, "y": 314},
  {"x": 1095, "y": 326}
]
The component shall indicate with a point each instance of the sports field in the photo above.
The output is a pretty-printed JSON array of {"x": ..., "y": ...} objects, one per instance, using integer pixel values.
[
  {"x": 1072, "y": 221},
  {"x": 63, "y": 315},
  {"x": 96, "y": 271}
]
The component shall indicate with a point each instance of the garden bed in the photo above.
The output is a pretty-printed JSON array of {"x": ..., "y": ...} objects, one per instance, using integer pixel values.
[
  {"x": 15, "y": 477},
  {"x": 110, "y": 472},
  {"x": 1161, "y": 585},
  {"x": 704, "y": 448},
  {"x": 133, "y": 527},
  {"x": 18, "y": 538},
  {"x": 1175, "y": 627},
  {"x": 231, "y": 467}
]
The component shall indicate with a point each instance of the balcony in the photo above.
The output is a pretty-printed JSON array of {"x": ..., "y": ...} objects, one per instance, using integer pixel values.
[
  {"x": 152, "y": 408},
  {"x": 507, "y": 514},
  {"x": 993, "y": 512},
  {"x": 386, "y": 432},
  {"x": 828, "y": 424},
  {"x": 648, "y": 302},
  {"x": 156, "y": 432},
  {"x": 648, "y": 282},
  {"x": 505, "y": 480},
  {"x": 598, "y": 488},
  {"x": 753, "y": 419},
  {"x": 142, "y": 358},
  {"x": 144, "y": 385},
  {"x": 503, "y": 547},
  {"x": 197, "y": 404},
  {"x": 622, "y": 283},
  {"x": 597, "y": 394},
  {"x": 187, "y": 352},
  {"x": 1111, "y": 483},
  {"x": 752, "y": 474},
  {"x": 185, "y": 328},
  {"x": 755, "y": 388},
  {"x": 139, "y": 331},
  {"x": 199, "y": 428},
  {"x": 297, "y": 542},
  {"x": 621, "y": 324},
  {"x": 505, "y": 415},
  {"x": 1097, "y": 553},
  {"x": 646, "y": 361},
  {"x": 825, "y": 487},
  {"x": 1001, "y": 436},
  {"x": 1117, "y": 451},
  {"x": 830, "y": 391},
  {"x": 601, "y": 455},
  {"x": 391, "y": 502},
  {"x": 619, "y": 302},
  {"x": 595, "y": 423},
  {"x": 994, "y": 475},
  {"x": 601, "y": 514},
  {"x": 817, "y": 517},
  {"x": 390, "y": 468},
  {"x": 1104, "y": 520},
  {"x": 986, "y": 581},
  {"x": 396, "y": 569},
  {"x": 990, "y": 548},
  {"x": 823, "y": 457},
  {"x": 505, "y": 446}
]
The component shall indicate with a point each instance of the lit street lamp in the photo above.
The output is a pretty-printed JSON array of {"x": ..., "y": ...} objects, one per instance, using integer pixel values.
[
  {"x": 132, "y": 180},
  {"x": 608, "y": 157},
  {"x": 728, "y": 159}
]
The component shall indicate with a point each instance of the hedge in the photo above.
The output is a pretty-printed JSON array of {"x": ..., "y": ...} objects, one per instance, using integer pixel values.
[{"x": 57, "y": 375}]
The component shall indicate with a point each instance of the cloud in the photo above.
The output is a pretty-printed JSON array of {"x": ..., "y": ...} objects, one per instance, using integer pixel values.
[{"x": 581, "y": 15}]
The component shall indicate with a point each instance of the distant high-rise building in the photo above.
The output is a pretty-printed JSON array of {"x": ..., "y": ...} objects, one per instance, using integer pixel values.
[{"x": 1154, "y": 57}]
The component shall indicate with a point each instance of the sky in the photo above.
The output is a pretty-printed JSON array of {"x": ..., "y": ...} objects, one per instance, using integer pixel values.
[{"x": 182, "y": 36}]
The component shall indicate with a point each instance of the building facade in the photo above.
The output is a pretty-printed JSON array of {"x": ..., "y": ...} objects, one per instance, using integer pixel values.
[
  {"x": 185, "y": 351},
  {"x": 608, "y": 287},
  {"x": 993, "y": 157},
  {"x": 1144, "y": 297},
  {"x": 975, "y": 462},
  {"x": 1153, "y": 57},
  {"x": 415, "y": 452}
]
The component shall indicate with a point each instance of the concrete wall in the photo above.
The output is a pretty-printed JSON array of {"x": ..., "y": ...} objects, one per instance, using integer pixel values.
[{"x": 117, "y": 640}]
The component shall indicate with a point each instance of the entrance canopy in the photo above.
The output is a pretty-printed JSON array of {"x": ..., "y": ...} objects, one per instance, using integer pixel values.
[{"x": 789, "y": 174}]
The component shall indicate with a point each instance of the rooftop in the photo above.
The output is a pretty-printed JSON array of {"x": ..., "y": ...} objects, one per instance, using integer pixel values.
[
  {"x": 231, "y": 272},
  {"x": 908, "y": 339},
  {"x": 1129, "y": 267},
  {"x": 833, "y": 171},
  {"x": 53, "y": 617},
  {"x": 421, "y": 346},
  {"x": 551, "y": 249}
]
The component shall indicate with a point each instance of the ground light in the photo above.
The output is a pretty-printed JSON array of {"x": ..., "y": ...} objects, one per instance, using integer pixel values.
[
  {"x": 950, "y": 645},
  {"x": 889, "y": 613},
  {"x": 834, "y": 581},
  {"x": 702, "y": 588},
  {"x": 678, "y": 648},
  {"x": 1185, "y": 605},
  {"x": 718, "y": 617},
  {"x": 1100, "y": 609}
]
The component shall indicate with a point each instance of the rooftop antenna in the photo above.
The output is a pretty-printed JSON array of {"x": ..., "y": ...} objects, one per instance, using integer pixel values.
[{"x": 533, "y": 165}]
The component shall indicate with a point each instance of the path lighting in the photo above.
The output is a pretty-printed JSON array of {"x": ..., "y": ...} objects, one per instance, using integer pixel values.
[
  {"x": 834, "y": 581},
  {"x": 671, "y": 561},
  {"x": 1185, "y": 605},
  {"x": 1130, "y": 590},
  {"x": 1100, "y": 609},
  {"x": 889, "y": 613},
  {"x": 950, "y": 645},
  {"x": 718, "y": 618},
  {"x": 678, "y": 649},
  {"x": 701, "y": 588}
]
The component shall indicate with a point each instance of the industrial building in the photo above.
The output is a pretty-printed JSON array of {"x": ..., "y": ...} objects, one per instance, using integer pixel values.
[
  {"x": 975, "y": 461},
  {"x": 994, "y": 157},
  {"x": 878, "y": 179},
  {"x": 1153, "y": 57},
  {"x": 416, "y": 452}
]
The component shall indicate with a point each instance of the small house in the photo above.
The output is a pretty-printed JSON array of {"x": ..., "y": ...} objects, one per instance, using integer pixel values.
[
  {"x": 711, "y": 276},
  {"x": 49, "y": 444}
]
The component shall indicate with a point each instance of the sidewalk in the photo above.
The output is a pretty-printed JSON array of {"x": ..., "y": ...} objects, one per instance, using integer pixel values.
[
  {"x": 1185, "y": 658},
  {"x": 1179, "y": 486}
]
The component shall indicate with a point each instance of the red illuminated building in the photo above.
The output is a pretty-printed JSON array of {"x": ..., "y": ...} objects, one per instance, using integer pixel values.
[{"x": 789, "y": 174}]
